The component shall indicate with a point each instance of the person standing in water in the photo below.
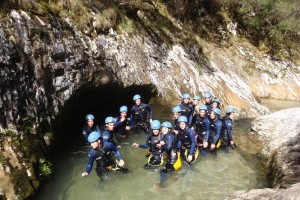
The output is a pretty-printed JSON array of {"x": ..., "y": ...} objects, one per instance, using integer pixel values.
[
  {"x": 215, "y": 130},
  {"x": 186, "y": 141},
  {"x": 173, "y": 157},
  {"x": 202, "y": 129},
  {"x": 122, "y": 122},
  {"x": 138, "y": 117},
  {"x": 186, "y": 108},
  {"x": 101, "y": 153},
  {"x": 153, "y": 140},
  {"x": 226, "y": 134}
]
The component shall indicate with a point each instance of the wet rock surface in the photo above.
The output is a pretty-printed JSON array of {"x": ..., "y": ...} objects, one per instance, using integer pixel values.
[{"x": 280, "y": 132}]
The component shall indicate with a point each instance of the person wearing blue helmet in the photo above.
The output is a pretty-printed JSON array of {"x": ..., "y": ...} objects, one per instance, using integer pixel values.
[
  {"x": 226, "y": 134},
  {"x": 186, "y": 140},
  {"x": 101, "y": 153},
  {"x": 215, "y": 130},
  {"x": 139, "y": 116},
  {"x": 122, "y": 122},
  {"x": 90, "y": 126},
  {"x": 153, "y": 140},
  {"x": 208, "y": 101},
  {"x": 216, "y": 103},
  {"x": 202, "y": 129},
  {"x": 186, "y": 108},
  {"x": 109, "y": 133},
  {"x": 195, "y": 110},
  {"x": 170, "y": 147},
  {"x": 176, "y": 114}
]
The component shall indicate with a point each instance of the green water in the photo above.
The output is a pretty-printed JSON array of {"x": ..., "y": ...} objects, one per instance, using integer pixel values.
[{"x": 213, "y": 177}]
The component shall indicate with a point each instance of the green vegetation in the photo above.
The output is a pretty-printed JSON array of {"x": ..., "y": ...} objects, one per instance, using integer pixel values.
[
  {"x": 271, "y": 25},
  {"x": 45, "y": 167}
]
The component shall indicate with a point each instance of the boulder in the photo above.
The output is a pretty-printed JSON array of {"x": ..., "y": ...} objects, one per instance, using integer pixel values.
[{"x": 277, "y": 128}]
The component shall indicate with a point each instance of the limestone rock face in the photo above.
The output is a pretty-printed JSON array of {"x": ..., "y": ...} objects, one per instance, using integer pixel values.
[
  {"x": 277, "y": 128},
  {"x": 43, "y": 63}
]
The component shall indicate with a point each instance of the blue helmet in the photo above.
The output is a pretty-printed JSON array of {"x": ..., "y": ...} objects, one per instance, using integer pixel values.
[
  {"x": 89, "y": 117},
  {"x": 177, "y": 109},
  {"x": 216, "y": 100},
  {"x": 229, "y": 110},
  {"x": 196, "y": 98},
  {"x": 94, "y": 136},
  {"x": 182, "y": 119},
  {"x": 123, "y": 109},
  {"x": 217, "y": 111},
  {"x": 166, "y": 124},
  {"x": 206, "y": 95},
  {"x": 186, "y": 96},
  {"x": 136, "y": 97},
  {"x": 109, "y": 120},
  {"x": 202, "y": 107},
  {"x": 155, "y": 124}
]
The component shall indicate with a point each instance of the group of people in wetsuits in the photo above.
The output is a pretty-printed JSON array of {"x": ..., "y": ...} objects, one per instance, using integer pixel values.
[{"x": 197, "y": 127}]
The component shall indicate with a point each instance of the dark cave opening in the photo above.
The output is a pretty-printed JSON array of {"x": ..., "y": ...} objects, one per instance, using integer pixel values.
[{"x": 101, "y": 101}]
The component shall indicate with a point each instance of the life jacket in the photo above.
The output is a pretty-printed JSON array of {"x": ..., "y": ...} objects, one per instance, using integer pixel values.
[
  {"x": 121, "y": 128},
  {"x": 200, "y": 127},
  {"x": 185, "y": 110},
  {"x": 140, "y": 113},
  {"x": 213, "y": 130},
  {"x": 185, "y": 138},
  {"x": 103, "y": 159},
  {"x": 154, "y": 140}
]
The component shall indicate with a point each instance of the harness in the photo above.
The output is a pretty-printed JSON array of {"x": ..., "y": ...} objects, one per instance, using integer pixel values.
[
  {"x": 140, "y": 114},
  {"x": 185, "y": 139},
  {"x": 185, "y": 109}
]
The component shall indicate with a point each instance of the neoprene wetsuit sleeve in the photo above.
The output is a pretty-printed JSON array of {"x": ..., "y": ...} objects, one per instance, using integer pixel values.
[
  {"x": 150, "y": 111},
  {"x": 118, "y": 121},
  {"x": 207, "y": 126},
  {"x": 112, "y": 147},
  {"x": 168, "y": 145},
  {"x": 190, "y": 119},
  {"x": 90, "y": 161},
  {"x": 218, "y": 125},
  {"x": 192, "y": 138},
  {"x": 146, "y": 145},
  {"x": 105, "y": 136},
  {"x": 179, "y": 143}
]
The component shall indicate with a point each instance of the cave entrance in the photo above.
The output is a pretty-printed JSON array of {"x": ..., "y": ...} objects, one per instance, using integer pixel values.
[{"x": 100, "y": 101}]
